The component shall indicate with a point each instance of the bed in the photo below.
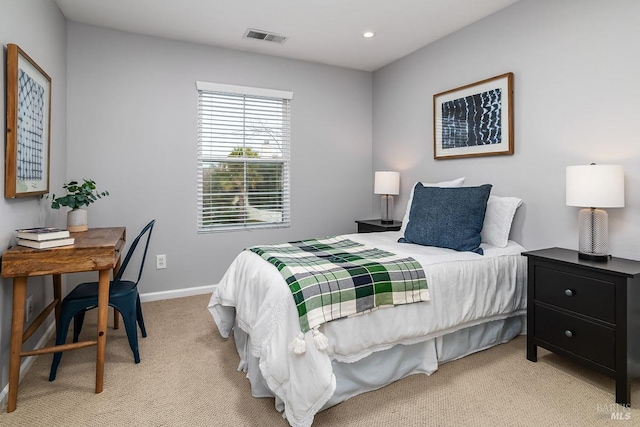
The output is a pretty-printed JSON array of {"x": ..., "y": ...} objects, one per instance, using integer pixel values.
[{"x": 477, "y": 300}]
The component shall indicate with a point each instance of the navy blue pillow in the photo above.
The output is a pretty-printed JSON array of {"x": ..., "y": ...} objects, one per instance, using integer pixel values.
[{"x": 447, "y": 217}]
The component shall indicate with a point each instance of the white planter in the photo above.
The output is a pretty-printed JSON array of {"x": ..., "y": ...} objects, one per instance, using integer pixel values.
[{"x": 77, "y": 220}]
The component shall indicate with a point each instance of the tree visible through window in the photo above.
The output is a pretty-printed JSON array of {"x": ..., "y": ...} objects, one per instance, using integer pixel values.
[{"x": 243, "y": 157}]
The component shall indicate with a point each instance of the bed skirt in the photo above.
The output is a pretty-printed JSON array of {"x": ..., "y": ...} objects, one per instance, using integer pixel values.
[{"x": 384, "y": 367}]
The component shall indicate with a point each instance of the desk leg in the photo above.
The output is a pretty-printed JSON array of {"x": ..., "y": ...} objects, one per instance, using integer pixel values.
[
  {"x": 116, "y": 315},
  {"x": 103, "y": 309},
  {"x": 17, "y": 325}
]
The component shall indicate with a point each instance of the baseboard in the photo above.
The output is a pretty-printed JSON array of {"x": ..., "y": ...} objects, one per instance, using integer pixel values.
[
  {"x": 177, "y": 293},
  {"x": 26, "y": 363},
  {"x": 151, "y": 296}
]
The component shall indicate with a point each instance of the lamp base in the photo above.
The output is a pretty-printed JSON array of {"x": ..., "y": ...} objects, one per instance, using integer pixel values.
[
  {"x": 592, "y": 257},
  {"x": 593, "y": 243},
  {"x": 386, "y": 210}
]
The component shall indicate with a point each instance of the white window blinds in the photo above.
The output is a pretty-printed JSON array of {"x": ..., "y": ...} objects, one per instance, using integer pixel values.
[{"x": 243, "y": 157}]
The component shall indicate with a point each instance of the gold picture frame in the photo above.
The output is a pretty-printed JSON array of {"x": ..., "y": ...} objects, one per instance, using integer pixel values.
[
  {"x": 474, "y": 120},
  {"x": 28, "y": 126}
]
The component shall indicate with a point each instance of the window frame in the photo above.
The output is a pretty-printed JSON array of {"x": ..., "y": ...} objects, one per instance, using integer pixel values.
[{"x": 207, "y": 92}]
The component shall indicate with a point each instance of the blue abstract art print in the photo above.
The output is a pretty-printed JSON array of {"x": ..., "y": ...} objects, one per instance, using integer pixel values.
[
  {"x": 474, "y": 120},
  {"x": 28, "y": 126}
]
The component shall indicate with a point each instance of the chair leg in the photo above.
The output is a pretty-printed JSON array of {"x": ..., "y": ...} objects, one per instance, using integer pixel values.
[
  {"x": 61, "y": 338},
  {"x": 78, "y": 320},
  {"x": 139, "y": 317},
  {"x": 132, "y": 333},
  {"x": 116, "y": 319}
]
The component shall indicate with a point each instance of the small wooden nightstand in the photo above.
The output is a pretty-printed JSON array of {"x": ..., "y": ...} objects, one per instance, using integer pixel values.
[
  {"x": 376, "y": 225},
  {"x": 587, "y": 311}
]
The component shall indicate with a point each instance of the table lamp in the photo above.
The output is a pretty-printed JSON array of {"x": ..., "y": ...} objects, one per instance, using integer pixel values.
[
  {"x": 594, "y": 186},
  {"x": 387, "y": 183}
]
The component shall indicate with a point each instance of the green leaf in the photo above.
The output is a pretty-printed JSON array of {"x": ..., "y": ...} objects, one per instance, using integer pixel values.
[{"x": 77, "y": 195}]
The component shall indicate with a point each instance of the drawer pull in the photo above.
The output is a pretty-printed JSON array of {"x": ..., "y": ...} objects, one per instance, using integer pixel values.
[
  {"x": 568, "y": 293},
  {"x": 568, "y": 333}
]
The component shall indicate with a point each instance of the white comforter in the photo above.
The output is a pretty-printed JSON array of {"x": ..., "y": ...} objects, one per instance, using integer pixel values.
[{"x": 466, "y": 289}]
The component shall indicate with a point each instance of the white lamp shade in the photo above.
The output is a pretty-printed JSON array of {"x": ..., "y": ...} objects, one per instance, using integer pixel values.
[
  {"x": 387, "y": 182},
  {"x": 595, "y": 186}
]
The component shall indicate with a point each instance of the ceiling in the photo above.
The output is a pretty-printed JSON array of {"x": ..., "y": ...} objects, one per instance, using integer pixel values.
[{"x": 322, "y": 31}]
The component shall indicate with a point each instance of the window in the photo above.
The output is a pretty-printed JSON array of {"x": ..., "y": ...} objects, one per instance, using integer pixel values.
[{"x": 243, "y": 157}]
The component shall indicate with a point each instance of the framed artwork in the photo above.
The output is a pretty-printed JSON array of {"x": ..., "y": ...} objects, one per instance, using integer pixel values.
[
  {"x": 474, "y": 120},
  {"x": 28, "y": 126}
]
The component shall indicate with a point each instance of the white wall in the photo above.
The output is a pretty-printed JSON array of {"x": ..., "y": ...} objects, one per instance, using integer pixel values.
[
  {"x": 577, "y": 101},
  {"x": 132, "y": 105},
  {"x": 38, "y": 27}
]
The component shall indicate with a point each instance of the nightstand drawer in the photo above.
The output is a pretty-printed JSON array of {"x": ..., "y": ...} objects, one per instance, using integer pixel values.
[
  {"x": 582, "y": 337},
  {"x": 582, "y": 294},
  {"x": 366, "y": 228}
]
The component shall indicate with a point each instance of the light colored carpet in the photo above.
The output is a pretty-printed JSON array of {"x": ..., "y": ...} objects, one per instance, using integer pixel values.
[{"x": 188, "y": 377}]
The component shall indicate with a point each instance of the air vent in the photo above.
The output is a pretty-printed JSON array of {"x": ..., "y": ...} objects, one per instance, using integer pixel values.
[{"x": 264, "y": 35}]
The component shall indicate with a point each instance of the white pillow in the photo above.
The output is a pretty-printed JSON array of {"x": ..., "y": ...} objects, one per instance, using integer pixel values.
[
  {"x": 448, "y": 184},
  {"x": 498, "y": 219}
]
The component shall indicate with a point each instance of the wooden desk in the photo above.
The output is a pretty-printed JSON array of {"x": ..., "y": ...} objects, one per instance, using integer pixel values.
[{"x": 97, "y": 249}]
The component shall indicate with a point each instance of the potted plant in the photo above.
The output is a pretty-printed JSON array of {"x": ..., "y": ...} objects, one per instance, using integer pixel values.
[{"x": 78, "y": 195}]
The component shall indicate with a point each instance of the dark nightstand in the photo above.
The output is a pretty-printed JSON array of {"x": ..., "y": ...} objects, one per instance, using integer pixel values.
[
  {"x": 587, "y": 311},
  {"x": 376, "y": 225}
]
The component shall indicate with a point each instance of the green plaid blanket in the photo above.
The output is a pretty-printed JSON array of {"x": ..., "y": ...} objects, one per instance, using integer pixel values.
[{"x": 335, "y": 277}]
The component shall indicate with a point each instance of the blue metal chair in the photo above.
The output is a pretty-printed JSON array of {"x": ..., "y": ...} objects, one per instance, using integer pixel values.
[{"x": 123, "y": 297}]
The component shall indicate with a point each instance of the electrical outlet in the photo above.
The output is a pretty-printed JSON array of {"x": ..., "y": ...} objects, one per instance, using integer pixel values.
[
  {"x": 161, "y": 262},
  {"x": 29, "y": 308}
]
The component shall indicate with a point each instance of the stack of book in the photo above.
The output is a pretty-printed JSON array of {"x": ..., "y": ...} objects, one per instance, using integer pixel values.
[{"x": 44, "y": 237}]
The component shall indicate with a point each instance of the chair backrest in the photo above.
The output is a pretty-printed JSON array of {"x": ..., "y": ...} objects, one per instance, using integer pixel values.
[{"x": 147, "y": 229}]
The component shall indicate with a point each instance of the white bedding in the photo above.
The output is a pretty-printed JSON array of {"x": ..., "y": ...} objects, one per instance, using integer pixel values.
[{"x": 466, "y": 289}]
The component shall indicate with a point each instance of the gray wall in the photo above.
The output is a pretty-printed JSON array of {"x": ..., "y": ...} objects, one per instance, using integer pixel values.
[
  {"x": 577, "y": 101},
  {"x": 38, "y": 27},
  {"x": 132, "y": 106}
]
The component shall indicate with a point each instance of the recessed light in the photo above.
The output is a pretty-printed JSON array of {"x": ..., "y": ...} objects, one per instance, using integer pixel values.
[{"x": 368, "y": 34}]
